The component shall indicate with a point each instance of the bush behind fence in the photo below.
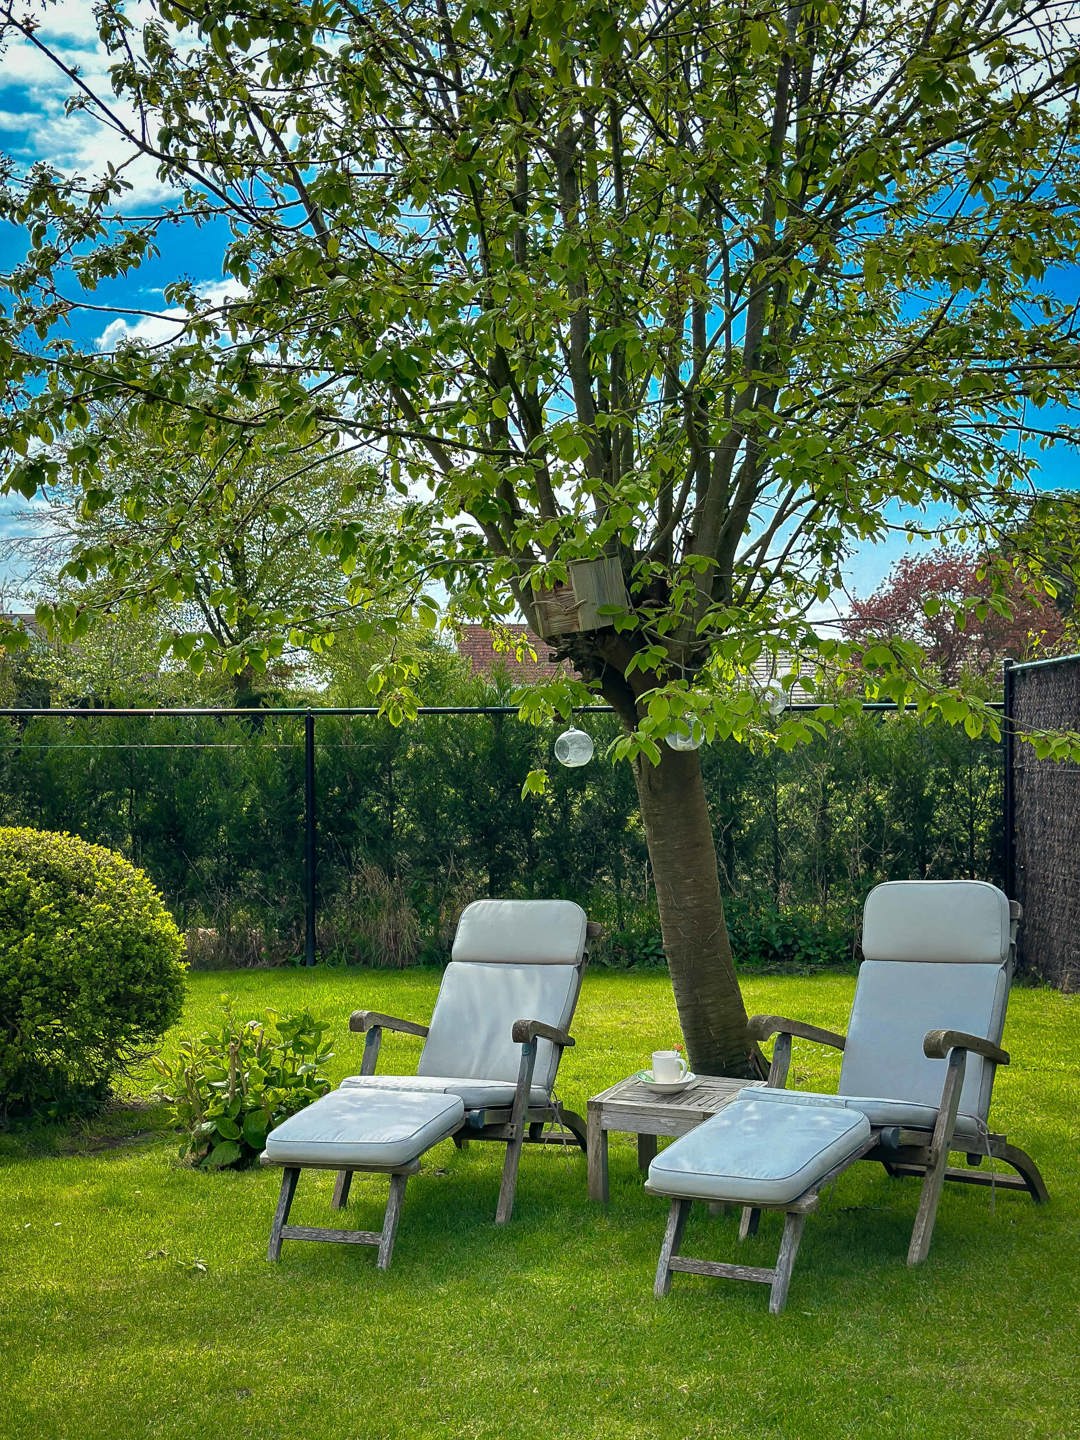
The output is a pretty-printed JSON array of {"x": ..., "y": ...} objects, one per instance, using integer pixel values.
[{"x": 414, "y": 822}]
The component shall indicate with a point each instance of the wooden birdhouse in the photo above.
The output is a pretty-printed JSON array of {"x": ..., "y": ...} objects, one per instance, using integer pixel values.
[{"x": 574, "y": 608}]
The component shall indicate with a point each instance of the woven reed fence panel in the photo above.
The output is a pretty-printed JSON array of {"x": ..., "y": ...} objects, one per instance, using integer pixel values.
[{"x": 1047, "y": 828}]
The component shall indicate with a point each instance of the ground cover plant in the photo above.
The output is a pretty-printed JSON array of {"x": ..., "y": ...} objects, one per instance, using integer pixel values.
[
  {"x": 138, "y": 1299},
  {"x": 230, "y": 1085}
]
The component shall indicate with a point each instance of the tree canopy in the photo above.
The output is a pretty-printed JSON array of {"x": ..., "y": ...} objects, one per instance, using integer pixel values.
[{"x": 722, "y": 289}]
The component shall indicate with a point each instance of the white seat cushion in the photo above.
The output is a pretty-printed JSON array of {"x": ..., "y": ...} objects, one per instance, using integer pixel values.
[
  {"x": 475, "y": 1093},
  {"x": 376, "y": 1128},
  {"x": 758, "y": 1154},
  {"x": 879, "y": 1110},
  {"x": 895, "y": 1004}
]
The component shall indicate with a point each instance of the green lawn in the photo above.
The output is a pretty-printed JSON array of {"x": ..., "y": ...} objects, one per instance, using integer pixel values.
[{"x": 137, "y": 1300}]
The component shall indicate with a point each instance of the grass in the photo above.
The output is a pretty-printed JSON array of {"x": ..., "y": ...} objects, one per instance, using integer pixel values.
[{"x": 138, "y": 1300}]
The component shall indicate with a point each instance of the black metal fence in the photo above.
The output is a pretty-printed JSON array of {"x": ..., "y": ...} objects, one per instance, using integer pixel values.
[{"x": 280, "y": 834}]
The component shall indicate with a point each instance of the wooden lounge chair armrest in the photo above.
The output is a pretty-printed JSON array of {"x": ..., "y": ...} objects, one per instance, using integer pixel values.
[
  {"x": 525, "y": 1031},
  {"x": 763, "y": 1027},
  {"x": 938, "y": 1043},
  {"x": 364, "y": 1020}
]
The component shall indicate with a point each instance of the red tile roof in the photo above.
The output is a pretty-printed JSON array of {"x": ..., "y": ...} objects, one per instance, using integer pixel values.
[{"x": 475, "y": 645}]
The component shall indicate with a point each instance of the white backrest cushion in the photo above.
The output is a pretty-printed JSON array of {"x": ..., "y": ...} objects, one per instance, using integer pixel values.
[
  {"x": 954, "y": 920},
  {"x": 521, "y": 932},
  {"x": 896, "y": 1004},
  {"x": 475, "y": 1011}
]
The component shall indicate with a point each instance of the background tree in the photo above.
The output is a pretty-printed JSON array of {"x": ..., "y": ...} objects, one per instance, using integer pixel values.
[
  {"x": 217, "y": 555},
  {"x": 713, "y": 290},
  {"x": 945, "y": 601}
]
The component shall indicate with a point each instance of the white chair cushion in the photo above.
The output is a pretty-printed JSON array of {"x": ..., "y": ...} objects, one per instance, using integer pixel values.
[
  {"x": 895, "y": 1005},
  {"x": 758, "y": 1153},
  {"x": 879, "y": 1110},
  {"x": 470, "y": 1031},
  {"x": 380, "y": 1129},
  {"x": 476, "y": 1094},
  {"x": 521, "y": 932},
  {"x": 955, "y": 920}
]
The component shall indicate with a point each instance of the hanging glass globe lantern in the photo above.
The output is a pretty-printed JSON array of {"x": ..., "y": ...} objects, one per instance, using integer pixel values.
[
  {"x": 688, "y": 734},
  {"x": 776, "y": 698},
  {"x": 573, "y": 748}
]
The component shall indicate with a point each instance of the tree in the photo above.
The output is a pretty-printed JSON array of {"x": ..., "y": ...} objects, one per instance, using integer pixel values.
[
  {"x": 944, "y": 600},
  {"x": 712, "y": 290},
  {"x": 216, "y": 559}
]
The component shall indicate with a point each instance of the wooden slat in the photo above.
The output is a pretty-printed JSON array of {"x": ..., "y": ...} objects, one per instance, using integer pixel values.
[
  {"x": 968, "y": 1177},
  {"x": 722, "y": 1270},
  {"x": 337, "y": 1237}
]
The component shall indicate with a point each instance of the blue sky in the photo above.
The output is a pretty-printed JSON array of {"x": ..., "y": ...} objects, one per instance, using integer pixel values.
[{"x": 33, "y": 126}]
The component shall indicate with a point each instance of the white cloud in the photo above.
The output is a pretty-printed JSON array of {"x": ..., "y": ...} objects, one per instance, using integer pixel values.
[
  {"x": 147, "y": 330},
  {"x": 19, "y": 120},
  {"x": 37, "y": 122},
  {"x": 164, "y": 326}
]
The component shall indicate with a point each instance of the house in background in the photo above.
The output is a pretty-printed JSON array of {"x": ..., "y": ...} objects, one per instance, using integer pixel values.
[{"x": 476, "y": 646}]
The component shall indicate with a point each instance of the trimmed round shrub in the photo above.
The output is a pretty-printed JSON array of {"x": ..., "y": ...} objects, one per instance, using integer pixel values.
[{"x": 91, "y": 971}]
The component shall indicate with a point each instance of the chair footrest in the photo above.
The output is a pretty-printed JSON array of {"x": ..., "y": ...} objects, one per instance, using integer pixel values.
[
  {"x": 352, "y": 1129},
  {"x": 751, "y": 1153}
]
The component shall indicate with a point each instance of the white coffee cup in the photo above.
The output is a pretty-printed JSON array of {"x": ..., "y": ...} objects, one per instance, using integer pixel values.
[{"x": 668, "y": 1067}]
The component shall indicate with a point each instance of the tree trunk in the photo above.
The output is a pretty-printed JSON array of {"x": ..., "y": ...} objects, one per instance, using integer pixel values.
[{"x": 683, "y": 855}]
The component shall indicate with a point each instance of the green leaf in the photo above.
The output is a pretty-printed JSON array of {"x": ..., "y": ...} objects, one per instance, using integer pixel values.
[
  {"x": 226, "y": 1153},
  {"x": 255, "y": 1131},
  {"x": 536, "y": 783}
]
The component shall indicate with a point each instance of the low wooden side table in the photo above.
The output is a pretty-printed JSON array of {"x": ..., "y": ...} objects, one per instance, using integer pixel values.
[{"x": 636, "y": 1109}]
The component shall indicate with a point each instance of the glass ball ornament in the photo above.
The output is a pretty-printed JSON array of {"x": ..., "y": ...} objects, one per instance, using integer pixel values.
[
  {"x": 776, "y": 699},
  {"x": 573, "y": 748},
  {"x": 688, "y": 734}
]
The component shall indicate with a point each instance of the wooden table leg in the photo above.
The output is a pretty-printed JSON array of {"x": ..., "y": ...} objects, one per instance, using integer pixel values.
[
  {"x": 646, "y": 1151},
  {"x": 597, "y": 1144}
]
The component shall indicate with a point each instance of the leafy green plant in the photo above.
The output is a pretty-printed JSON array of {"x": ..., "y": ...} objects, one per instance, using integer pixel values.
[
  {"x": 764, "y": 938},
  {"x": 91, "y": 971},
  {"x": 638, "y": 946},
  {"x": 231, "y": 1085}
]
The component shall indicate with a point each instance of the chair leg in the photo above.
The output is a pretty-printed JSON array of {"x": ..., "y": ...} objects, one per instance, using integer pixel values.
[
  {"x": 342, "y": 1182},
  {"x": 1025, "y": 1166},
  {"x": 748, "y": 1223},
  {"x": 937, "y": 1160},
  {"x": 505, "y": 1207},
  {"x": 518, "y": 1127},
  {"x": 577, "y": 1127},
  {"x": 677, "y": 1217},
  {"x": 789, "y": 1248},
  {"x": 390, "y": 1220},
  {"x": 289, "y": 1177}
]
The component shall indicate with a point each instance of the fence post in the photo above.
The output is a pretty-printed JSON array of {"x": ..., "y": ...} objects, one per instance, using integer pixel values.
[{"x": 309, "y": 838}]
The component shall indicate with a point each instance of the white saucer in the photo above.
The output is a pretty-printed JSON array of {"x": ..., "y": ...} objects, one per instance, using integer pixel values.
[{"x": 668, "y": 1087}]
